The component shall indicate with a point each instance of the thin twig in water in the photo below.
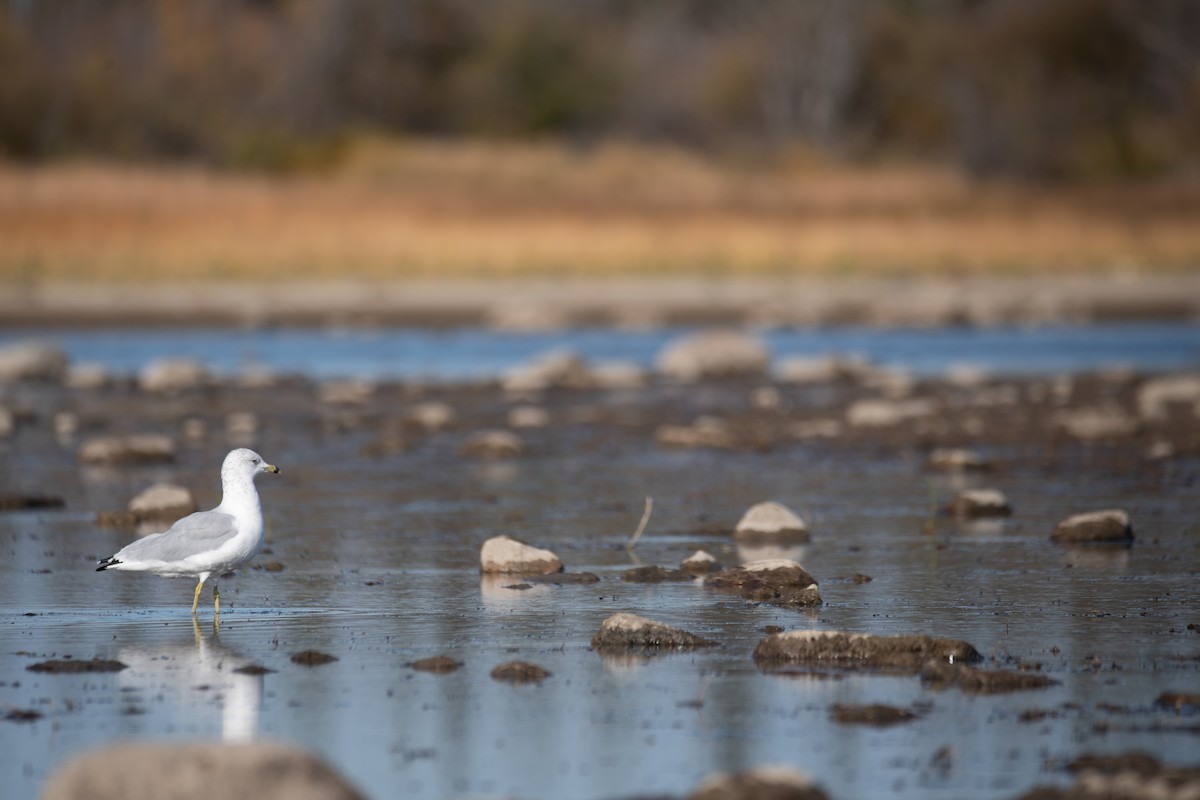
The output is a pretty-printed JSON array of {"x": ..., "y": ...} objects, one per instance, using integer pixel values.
[{"x": 641, "y": 525}]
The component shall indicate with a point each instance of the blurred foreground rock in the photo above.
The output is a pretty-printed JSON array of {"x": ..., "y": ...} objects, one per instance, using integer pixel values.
[
  {"x": 32, "y": 361},
  {"x": 713, "y": 354},
  {"x": 764, "y": 783},
  {"x": 258, "y": 771}
]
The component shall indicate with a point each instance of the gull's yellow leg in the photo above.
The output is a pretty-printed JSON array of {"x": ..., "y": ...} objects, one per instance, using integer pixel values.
[
  {"x": 196, "y": 596},
  {"x": 216, "y": 600}
]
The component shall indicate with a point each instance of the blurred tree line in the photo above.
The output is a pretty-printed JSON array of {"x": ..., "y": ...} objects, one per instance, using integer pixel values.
[{"x": 1036, "y": 88}]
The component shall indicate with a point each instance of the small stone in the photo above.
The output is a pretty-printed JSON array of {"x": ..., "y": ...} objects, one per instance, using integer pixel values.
[
  {"x": 555, "y": 369},
  {"x": 241, "y": 425},
  {"x": 253, "y": 669},
  {"x": 1178, "y": 700},
  {"x": 770, "y": 523},
  {"x": 1096, "y": 423},
  {"x": 312, "y": 658},
  {"x": 162, "y": 501},
  {"x": 133, "y": 449},
  {"x": 778, "y": 581},
  {"x": 1110, "y": 526},
  {"x": 874, "y": 413},
  {"x": 172, "y": 375},
  {"x": 241, "y": 771},
  {"x": 505, "y": 555},
  {"x": 976, "y": 503},
  {"x": 32, "y": 361},
  {"x": 700, "y": 562},
  {"x": 29, "y": 502},
  {"x": 518, "y": 672},
  {"x": 624, "y": 631},
  {"x": 764, "y": 783},
  {"x": 837, "y": 649},
  {"x": 1157, "y": 395},
  {"x": 713, "y": 354},
  {"x": 432, "y": 416},
  {"x": 345, "y": 392},
  {"x": 954, "y": 459},
  {"x": 87, "y": 376},
  {"x": 438, "y": 665},
  {"x": 528, "y": 417},
  {"x": 493, "y": 444},
  {"x": 617, "y": 376},
  {"x": 704, "y": 432},
  {"x": 194, "y": 429}
]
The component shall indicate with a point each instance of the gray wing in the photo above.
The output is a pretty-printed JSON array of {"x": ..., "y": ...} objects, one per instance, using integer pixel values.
[{"x": 195, "y": 533}]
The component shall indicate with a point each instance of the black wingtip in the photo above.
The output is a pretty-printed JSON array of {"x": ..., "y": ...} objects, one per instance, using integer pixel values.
[{"x": 106, "y": 563}]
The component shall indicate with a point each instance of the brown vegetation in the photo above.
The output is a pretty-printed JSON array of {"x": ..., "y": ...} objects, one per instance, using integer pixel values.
[{"x": 419, "y": 209}]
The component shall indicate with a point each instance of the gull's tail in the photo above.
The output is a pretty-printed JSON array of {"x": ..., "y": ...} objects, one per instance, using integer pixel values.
[{"x": 106, "y": 563}]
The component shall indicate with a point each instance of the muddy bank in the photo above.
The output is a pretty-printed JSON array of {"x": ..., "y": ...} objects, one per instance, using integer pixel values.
[{"x": 533, "y": 304}]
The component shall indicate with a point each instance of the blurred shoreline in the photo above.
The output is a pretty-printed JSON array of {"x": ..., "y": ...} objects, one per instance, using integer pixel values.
[{"x": 543, "y": 304}]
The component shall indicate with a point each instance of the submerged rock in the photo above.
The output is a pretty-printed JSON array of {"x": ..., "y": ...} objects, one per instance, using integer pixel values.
[
  {"x": 713, "y": 354},
  {"x": 145, "y": 448},
  {"x": 563, "y": 578},
  {"x": 73, "y": 666},
  {"x": 162, "y": 501},
  {"x": 841, "y": 650},
  {"x": 438, "y": 665},
  {"x": 152, "y": 771},
  {"x": 764, "y": 783},
  {"x": 632, "y": 632},
  {"x": 779, "y": 581},
  {"x": 493, "y": 444},
  {"x": 976, "y": 503},
  {"x": 312, "y": 658},
  {"x": 655, "y": 574},
  {"x": 700, "y": 562},
  {"x": 1110, "y": 526},
  {"x": 32, "y": 361},
  {"x": 876, "y": 714},
  {"x": 1122, "y": 777},
  {"x": 29, "y": 502},
  {"x": 770, "y": 523},
  {"x": 520, "y": 672},
  {"x": 943, "y": 675},
  {"x": 503, "y": 554}
]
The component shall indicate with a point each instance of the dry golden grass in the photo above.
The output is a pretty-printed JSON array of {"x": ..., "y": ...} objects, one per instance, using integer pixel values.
[{"x": 437, "y": 210}]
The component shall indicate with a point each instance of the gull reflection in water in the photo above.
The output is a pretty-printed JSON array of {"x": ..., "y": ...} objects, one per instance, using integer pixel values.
[{"x": 196, "y": 674}]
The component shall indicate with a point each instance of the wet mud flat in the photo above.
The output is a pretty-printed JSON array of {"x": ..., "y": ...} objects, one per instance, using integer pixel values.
[{"x": 1062, "y": 649}]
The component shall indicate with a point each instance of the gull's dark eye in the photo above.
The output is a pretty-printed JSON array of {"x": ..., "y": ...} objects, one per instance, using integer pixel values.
[{"x": 254, "y": 460}]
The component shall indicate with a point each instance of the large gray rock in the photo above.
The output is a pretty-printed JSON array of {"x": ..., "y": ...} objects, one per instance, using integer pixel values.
[
  {"x": 713, "y": 354},
  {"x": 505, "y": 555},
  {"x": 908, "y": 653},
  {"x": 631, "y": 632},
  {"x": 162, "y": 502},
  {"x": 151, "y": 771},
  {"x": 32, "y": 361},
  {"x": 175, "y": 374},
  {"x": 144, "y": 448},
  {"x": 770, "y": 523},
  {"x": 1110, "y": 526}
]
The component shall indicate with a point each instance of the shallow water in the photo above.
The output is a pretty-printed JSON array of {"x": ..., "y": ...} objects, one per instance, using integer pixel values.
[
  {"x": 381, "y": 568},
  {"x": 475, "y": 353}
]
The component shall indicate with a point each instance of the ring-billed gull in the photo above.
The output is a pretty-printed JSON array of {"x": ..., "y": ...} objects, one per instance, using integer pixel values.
[{"x": 207, "y": 542}]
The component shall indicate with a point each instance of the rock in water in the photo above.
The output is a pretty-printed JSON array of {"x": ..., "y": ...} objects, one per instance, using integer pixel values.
[
  {"x": 764, "y": 783},
  {"x": 172, "y": 375},
  {"x": 779, "y": 581},
  {"x": 493, "y": 444},
  {"x": 136, "y": 449},
  {"x": 700, "y": 562},
  {"x": 32, "y": 361},
  {"x": 505, "y": 555},
  {"x": 1110, "y": 526},
  {"x": 249, "y": 771},
  {"x": 162, "y": 501},
  {"x": 976, "y": 503},
  {"x": 630, "y": 632},
  {"x": 837, "y": 649},
  {"x": 713, "y": 354},
  {"x": 770, "y": 523}
]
